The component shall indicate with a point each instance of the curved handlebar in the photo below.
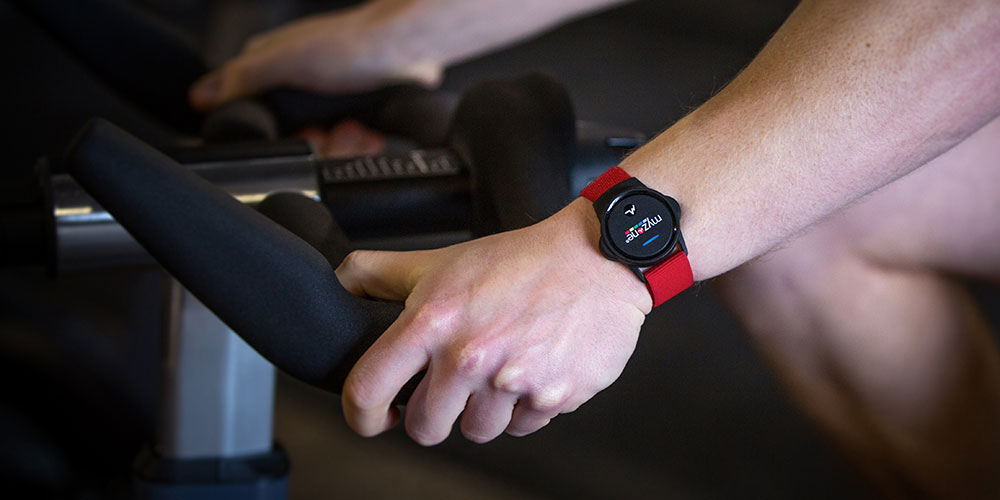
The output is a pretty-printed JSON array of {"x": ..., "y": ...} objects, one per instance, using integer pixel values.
[
  {"x": 278, "y": 292},
  {"x": 272, "y": 280}
]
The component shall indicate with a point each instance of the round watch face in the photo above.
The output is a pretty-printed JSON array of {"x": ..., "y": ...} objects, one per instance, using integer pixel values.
[{"x": 640, "y": 226}]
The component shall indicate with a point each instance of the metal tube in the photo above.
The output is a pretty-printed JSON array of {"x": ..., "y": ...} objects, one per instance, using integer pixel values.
[{"x": 88, "y": 237}]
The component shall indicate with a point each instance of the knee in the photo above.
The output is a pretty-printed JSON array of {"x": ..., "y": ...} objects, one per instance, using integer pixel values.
[{"x": 791, "y": 288}]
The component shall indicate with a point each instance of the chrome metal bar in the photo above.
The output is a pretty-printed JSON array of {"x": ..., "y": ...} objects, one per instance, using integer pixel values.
[
  {"x": 218, "y": 399},
  {"x": 88, "y": 237}
]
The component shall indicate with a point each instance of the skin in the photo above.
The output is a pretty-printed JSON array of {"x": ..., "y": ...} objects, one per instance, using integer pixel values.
[
  {"x": 789, "y": 142},
  {"x": 866, "y": 321},
  {"x": 804, "y": 175},
  {"x": 378, "y": 43},
  {"x": 346, "y": 139}
]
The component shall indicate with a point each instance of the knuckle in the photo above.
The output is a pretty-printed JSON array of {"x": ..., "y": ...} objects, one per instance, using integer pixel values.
[
  {"x": 475, "y": 436},
  {"x": 437, "y": 316},
  {"x": 519, "y": 431},
  {"x": 574, "y": 404},
  {"x": 469, "y": 361},
  {"x": 509, "y": 379},
  {"x": 601, "y": 382},
  {"x": 353, "y": 260},
  {"x": 424, "y": 437},
  {"x": 360, "y": 430},
  {"x": 357, "y": 395},
  {"x": 549, "y": 399}
]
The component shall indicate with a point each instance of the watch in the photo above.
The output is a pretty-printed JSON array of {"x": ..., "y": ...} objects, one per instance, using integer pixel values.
[{"x": 640, "y": 227}]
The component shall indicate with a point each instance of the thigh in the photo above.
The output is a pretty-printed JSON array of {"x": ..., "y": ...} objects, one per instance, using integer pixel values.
[
  {"x": 862, "y": 288},
  {"x": 859, "y": 317},
  {"x": 942, "y": 217},
  {"x": 862, "y": 323}
]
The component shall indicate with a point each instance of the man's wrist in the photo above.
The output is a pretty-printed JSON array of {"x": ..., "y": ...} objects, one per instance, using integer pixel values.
[
  {"x": 580, "y": 222},
  {"x": 681, "y": 163}
]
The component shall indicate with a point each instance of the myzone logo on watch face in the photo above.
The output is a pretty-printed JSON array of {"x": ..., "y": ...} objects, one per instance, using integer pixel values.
[
  {"x": 640, "y": 226},
  {"x": 645, "y": 225}
]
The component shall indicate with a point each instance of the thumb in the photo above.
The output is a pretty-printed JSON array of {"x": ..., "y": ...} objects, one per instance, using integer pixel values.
[
  {"x": 383, "y": 275},
  {"x": 246, "y": 75}
]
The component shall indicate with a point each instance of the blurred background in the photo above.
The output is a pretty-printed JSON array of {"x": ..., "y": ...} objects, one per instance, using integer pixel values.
[{"x": 696, "y": 413}]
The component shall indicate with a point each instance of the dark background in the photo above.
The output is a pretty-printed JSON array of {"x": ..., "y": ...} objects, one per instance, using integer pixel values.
[{"x": 696, "y": 413}]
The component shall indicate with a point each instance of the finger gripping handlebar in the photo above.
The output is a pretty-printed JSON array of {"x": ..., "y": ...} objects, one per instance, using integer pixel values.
[{"x": 271, "y": 278}]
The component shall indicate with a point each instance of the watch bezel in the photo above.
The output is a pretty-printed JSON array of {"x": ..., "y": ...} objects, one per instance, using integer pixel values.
[{"x": 610, "y": 199}]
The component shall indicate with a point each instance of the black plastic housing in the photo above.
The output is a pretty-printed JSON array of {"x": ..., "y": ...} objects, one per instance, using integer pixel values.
[{"x": 609, "y": 200}]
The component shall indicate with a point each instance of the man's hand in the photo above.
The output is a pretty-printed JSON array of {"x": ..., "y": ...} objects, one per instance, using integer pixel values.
[
  {"x": 513, "y": 329},
  {"x": 380, "y": 42},
  {"x": 346, "y": 139},
  {"x": 345, "y": 51}
]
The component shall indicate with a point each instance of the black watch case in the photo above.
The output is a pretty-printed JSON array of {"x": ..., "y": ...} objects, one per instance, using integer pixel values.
[{"x": 640, "y": 227}]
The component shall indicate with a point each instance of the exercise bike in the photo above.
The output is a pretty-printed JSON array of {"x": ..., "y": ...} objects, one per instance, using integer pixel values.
[{"x": 513, "y": 154}]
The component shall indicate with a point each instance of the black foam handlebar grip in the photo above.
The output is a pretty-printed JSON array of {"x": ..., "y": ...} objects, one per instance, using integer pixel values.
[
  {"x": 311, "y": 221},
  {"x": 519, "y": 136},
  {"x": 271, "y": 287},
  {"x": 273, "y": 282}
]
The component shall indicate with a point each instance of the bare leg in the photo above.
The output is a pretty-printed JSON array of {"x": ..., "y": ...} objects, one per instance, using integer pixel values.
[{"x": 864, "y": 322}]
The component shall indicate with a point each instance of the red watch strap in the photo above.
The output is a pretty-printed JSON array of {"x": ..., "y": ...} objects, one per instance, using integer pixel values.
[
  {"x": 668, "y": 278},
  {"x": 609, "y": 178},
  {"x": 664, "y": 280}
]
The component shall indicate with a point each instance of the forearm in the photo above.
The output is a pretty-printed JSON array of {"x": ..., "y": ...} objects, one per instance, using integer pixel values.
[
  {"x": 450, "y": 31},
  {"x": 847, "y": 97},
  {"x": 379, "y": 42}
]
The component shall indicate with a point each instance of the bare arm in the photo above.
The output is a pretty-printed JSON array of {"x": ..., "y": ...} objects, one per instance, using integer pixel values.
[
  {"x": 450, "y": 31},
  {"x": 381, "y": 41},
  {"x": 848, "y": 96}
]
